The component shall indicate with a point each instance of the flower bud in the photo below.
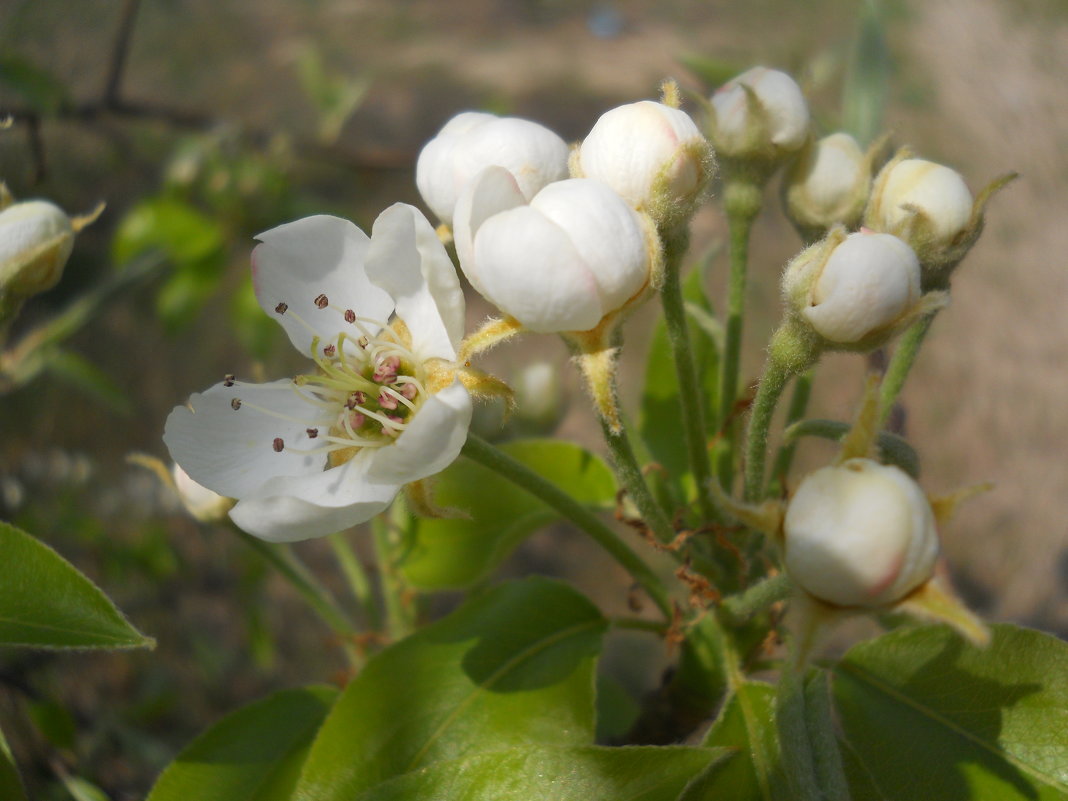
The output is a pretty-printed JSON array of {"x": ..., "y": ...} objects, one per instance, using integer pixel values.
[
  {"x": 852, "y": 288},
  {"x": 539, "y": 398},
  {"x": 202, "y": 503},
  {"x": 472, "y": 141},
  {"x": 759, "y": 115},
  {"x": 859, "y": 534},
  {"x": 36, "y": 238},
  {"x": 828, "y": 184},
  {"x": 651, "y": 154},
  {"x": 572, "y": 256},
  {"x": 934, "y": 195}
]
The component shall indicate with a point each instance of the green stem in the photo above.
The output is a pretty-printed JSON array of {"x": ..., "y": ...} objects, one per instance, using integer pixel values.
[
  {"x": 772, "y": 383},
  {"x": 901, "y": 363},
  {"x": 282, "y": 558},
  {"x": 398, "y": 622},
  {"x": 798, "y": 405},
  {"x": 630, "y": 476},
  {"x": 478, "y": 450},
  {"x": 742, "y": 201},
  {"x": 690, "y": 396},
  {"x": 739, "y": 608},
  {"x": 357, "y": 578}
]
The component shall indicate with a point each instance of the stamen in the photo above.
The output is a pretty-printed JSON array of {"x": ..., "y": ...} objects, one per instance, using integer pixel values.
[
  {"x": 228, "y": 380},
  {"x": 311, "y": 432},
  {"x": 387, "y": 401},
  {"x": 235, "y": 403},
  {"x": 329, "y": 351},
  {"x": 278, "y": 444},
  {"x": 321, "y": 301},
  {"x": 392, "y": 396},
  {"x": 281, "y": 308},
  {"x": 350, "y": 316}
]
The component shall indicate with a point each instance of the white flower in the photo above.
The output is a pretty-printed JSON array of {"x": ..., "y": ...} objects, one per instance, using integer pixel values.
[
  {"x": 575, "y": 254},
  {"x": 914, "y": 186},
  {"x": 323, "y": 451},
  {"x": 36, "y": 238},
  {"x": 651, "y": 154},
  {"x": 472, "y": 141},
  {"x": 860, "y": 534},
  {"x": 736, "y": 132},
  {"x": 828, "y": 184},
  {"x": 203, "y": 504},
  {"x": 866, "y": 284}
]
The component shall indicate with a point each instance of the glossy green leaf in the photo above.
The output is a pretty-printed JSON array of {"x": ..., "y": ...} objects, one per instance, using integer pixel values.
[
  {"x": 457, "y": 552},
  {"x": 46, "y": 603},
  {"x": 585, "y": 773},
  {"x": 254, "y": 754},
  {"x": 927, "y": 715},
  {"x": 660, "y": 422},
  {"x": 513, "y": 667},
  {"x": 746, "y": 726},
  {"x": 10, "y": 781},
  {"x": 39, "y": 88}
]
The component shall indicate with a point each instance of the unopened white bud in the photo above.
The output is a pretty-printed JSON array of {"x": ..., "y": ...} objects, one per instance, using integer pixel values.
[
  {"x": 852, "y": 287},
  {"x": 777, "y": 123},
  {"x": 828, "y": 184},
  {"x": 575, "y": 254},
  {"x": 36, "y": 238},
  {"x": 860, "y": 534},
  {"x": 472, "y": 141},
  {"x": 202, "y": 503},
  {"x": 539, "y": 397},
  {"x": 917, "y": 188},
  {"x": 651, "y": 154}
]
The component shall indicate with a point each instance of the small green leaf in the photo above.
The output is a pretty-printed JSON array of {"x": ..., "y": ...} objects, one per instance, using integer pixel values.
[
  {"x": 513, "y": 667},
  {"x": 46, "y": 603},
  {"x": 746, "y": 725},
  {"x": 82, "y": 790},
  {"x": 587, "y": 773},
  {"x": 449, "y": 553},
  {"x": 10, "y": 781},
  {"x": 41, "y": 89},
  {"x": 187, "y": 236},
  {"x": 253, "y": 754},
  {"x": 927, "y": 715}
]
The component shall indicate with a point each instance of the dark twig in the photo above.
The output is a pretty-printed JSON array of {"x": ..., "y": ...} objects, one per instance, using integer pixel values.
[{"x": 119, "y": 52}]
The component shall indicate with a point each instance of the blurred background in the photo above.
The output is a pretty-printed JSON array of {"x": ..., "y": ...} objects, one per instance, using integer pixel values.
[{"x": 203, "y": 122}]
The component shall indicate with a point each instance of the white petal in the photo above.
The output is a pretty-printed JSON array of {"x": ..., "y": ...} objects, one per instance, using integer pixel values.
[
  {"x": 431, "y": 442},
  {"x": 531, "y": 271},
  {"x": 435, "y": 169},
  {"x": 492, "y": 191},
  {"x": 301, "y": 260},
  {"x": 290, "y": 509},
  {"x": 606, "y": 232},
  {"x": 531, "y": 152},
  {"x": 408, "y": 261},
  {"x": 232, "y": 451}
]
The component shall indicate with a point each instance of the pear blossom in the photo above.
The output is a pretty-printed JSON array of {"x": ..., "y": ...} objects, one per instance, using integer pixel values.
[
  {"x": 472, "y": 141},
  {"x": 851, "y": 287},
  {"x": 650, "y": 153},
  {"x": 860, "y": 534},
  {"x": 933, "y": 191},
  {"x": 574, "y": 254},
  {"x": 829, "y": 183},
  {"x": 781, "y": 126},
  {"x": 36, "y": 239},
  {"x": 381, "y": 318}
]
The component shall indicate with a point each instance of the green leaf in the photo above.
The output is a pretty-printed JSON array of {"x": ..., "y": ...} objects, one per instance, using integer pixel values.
[
  {"x": 449, "y": 553},
  {"x": 660, "y": 422},
  {"x": 746, "y": 725},
  {"x": 10, "y": 782},
  {"x": 82, "y": 374},
  {"x": 713, "y": 72},
  {"x": 46, "y": 603},
  {"x": 173, "y": 226},
  {"x": 82, "y": 790},
  {"x": 927, "y": 715},
  {"x": 513, "y": 667},
  {"x": 867, "y": 76},
  {"x": 589, "y": 773},
  {"x": 253, "y": 754},
  {"x": 41, "y": 89}
]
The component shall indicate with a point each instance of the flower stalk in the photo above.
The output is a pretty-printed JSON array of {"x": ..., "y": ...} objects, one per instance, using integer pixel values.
[
  {"x": 478, "y": 450},
  {"x": 901, "y": 363}
]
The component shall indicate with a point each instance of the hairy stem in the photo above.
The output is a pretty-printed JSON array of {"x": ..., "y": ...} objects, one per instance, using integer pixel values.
[
  {"x": 772, "y": 383},
  {"x": 901, "y": 363},
  {"x": 478, "y": 450}
]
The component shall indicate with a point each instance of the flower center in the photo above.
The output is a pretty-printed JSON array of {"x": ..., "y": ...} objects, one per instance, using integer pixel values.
[{"x": 367, "y": 386}]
